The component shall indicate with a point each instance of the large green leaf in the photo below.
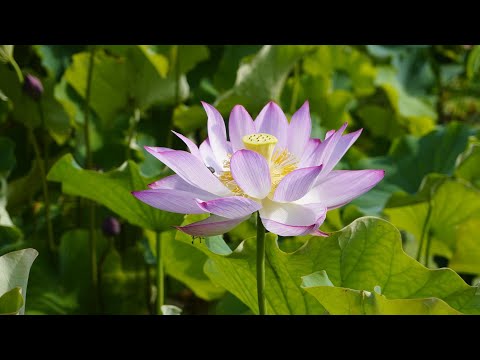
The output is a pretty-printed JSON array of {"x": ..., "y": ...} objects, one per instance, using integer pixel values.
[
  {"x": 185, "y": 263},
  {"x": 381, "y": 121},
  {"x": 14, "y": 270},
  {"x": 7, "y": 160},
  {"x": 262, "y": 79},
  {"x": 473, "y": 62},
  {"x": 235, "y": 271},
  {"x": 122, "y": 283},
  {"x": 182, "y": 58},
  {"x": 56, "y": 58},
  {"x": 9, "y": 233},
  {"x": 189, "y": 118},
  {"x": 232, "y": 56},
  {"x": 364, "y": 255},
  {"x": 372, "y": 259},
  {"x": 453, "y": 225},
  {"x": 11, "y": 302},
  {"x": 133, "y": 77},
  {"x": 419, "y": 115},
  {"x": 6, "y": 53},
  {"x": 26, "y": 110},
  {"x": 411, "y": 158},
  {"x": 332, "y": 60},
  {"x": 113, "y": 190},
  {"x": 343, "y": 301},
  {"x": 467, "y": 167}
]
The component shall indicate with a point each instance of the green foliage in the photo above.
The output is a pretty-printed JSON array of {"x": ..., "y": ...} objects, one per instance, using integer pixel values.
[
  {"x": 467, "y": 167},
  {"x": 262, "y": 78},
  {"x": 11, "y": 302},
  {"x": 9, "y": 233},
  {"x": 14, "y": 270},
  {"x": 27, "y": 111},
  {"x": 342, "y": 301},
  {"x": 112, "y": 189},
  {"x": 473, "y": 62},
  {"x": 364, "y": 255},
  {"x": 185, "y": 264},
  {"x": 418, "y": 106},
  {"x": 452, "y": 226}
]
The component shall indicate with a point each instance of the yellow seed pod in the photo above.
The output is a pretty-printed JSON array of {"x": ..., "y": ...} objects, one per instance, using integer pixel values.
[{"x": 261, "y": 143}]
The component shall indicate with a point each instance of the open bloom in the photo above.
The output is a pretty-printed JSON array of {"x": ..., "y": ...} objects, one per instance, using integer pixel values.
[{"x": 269, "y": 165}]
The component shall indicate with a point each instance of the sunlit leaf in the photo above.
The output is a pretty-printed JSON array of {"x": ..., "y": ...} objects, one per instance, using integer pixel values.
[
  {"x": 14, "y": 270},
  {"x": 453, "y": 224},
  {"x": 113, "y": 190},
  {"x": 343, "y": 301},
  {"x": 364, "y": 255},
  {"x": 11, "y": 302}
]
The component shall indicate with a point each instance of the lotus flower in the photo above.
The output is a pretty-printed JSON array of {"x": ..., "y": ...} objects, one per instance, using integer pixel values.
[{"x": 269, "y": 165}]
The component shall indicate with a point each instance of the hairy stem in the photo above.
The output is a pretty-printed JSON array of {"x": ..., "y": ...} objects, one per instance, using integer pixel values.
[
  {"x": 160, "y": 275},
  {"x": 88, "y": 165},
  {"x": 261, "y": 266},
  {"x": 425, "y": 235},
  {"x": 131, "y": 131},
  {"x": 41, "y": 166},
  {"x": 296, "y": 88},
  {"x": 17, "y": 70}
]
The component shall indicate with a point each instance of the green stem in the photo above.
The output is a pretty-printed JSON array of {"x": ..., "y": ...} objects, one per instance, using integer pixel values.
[
  {"x": 131, "y": 131},
  {"x": 427, "y": 251},
  {"x": 177, "y": 74},
  {"x": 41, "y": 166},
  {"x": 174, "y": 59},
  {"x": 296, "y": 88},
  {"x": 51, "y": 239},
  {"x": 261, "y": 266},
  {"x": 86, "y": 123},
  {"x": 88, "y": 165},
  {"x": 17, "y": 70},
  {"x": 101, "y": 264},
  {"x": 425, "y": 235},
  {"x": 93, "y": 255},
  {"x": 160, "y": 275},
  {"x": 439, "y": 84}
]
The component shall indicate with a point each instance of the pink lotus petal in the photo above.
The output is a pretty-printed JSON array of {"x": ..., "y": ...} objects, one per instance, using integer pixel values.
[
  {"x": 299, "y": 131},
  {"x": 329, "y": 133},
  {"x": 251, "y": 172},
  {"x": 157, "y": 149},
  {"x": 343, "y": 144},
  {"x": 324, "y": 150},
  {"x": 190, "y": 144},
  {"x": 292, "y": 213},
  {"x": 292, "y": 230},
  {"x": 175, "y": 182},
  {"x": 319, "y": 233},
  {"x": 232, "y": 207},
  {"x": 328, "y": 146},
  {"x": 214, "y": 225},
  {"x": 296, "y": 184},
  {"x": 273, "y": 121},
  {"x": 208, "y": 157},
  {"x": 191, "y": 169},
  {"x": 229, "y": 148},
  {"x": 291, "y": 219},
  {"x": 216, "y": 132},
  {"x": 240, "y": 124},
  {"x": 310, "y": 156},
  {"x": 342, "y": 186},
  {"x": 170, "y": 200}
]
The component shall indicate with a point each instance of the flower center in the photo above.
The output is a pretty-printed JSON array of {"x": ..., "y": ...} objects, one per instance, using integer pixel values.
[
  {"x": 281, "y": 162},
  {"x": 261, "y": 143}
]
